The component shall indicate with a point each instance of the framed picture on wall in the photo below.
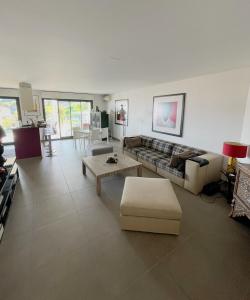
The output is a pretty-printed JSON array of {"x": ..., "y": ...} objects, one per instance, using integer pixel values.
[
  {"x": 121, "y": 112},
  {"x": 168, "y": 114}
]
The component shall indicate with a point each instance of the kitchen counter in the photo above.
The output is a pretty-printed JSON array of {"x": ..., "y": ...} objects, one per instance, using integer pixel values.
[{"x": 27, "y": 142}]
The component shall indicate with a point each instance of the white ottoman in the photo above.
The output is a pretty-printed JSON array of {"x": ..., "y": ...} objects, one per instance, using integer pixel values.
[{"x": 150, "y": 204}]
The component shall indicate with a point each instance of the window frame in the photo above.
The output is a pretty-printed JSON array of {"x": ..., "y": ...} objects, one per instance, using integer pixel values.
[{"x": 19, "y": 114}]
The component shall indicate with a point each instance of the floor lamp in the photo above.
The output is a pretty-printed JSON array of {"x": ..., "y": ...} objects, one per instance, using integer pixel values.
[{"x": 123, "y": 119}]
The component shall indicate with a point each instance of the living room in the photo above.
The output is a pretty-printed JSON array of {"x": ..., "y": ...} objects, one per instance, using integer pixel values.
[{"x": 124, "y": 134}]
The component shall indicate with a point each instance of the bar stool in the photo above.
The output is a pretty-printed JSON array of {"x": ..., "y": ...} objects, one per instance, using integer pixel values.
[{"x": 48, "y": 132}]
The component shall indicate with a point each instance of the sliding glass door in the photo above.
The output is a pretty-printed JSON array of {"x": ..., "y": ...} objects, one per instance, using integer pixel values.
[
  {"x": 52, "y": 116},
  {"x": 64, "y": 115},
  {"x": 76, "y": 118},
  {"x": 85, "y": 115},
  {"x": 9, "y": 116}
]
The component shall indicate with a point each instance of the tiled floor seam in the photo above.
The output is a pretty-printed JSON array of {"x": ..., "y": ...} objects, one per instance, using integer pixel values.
[
  {"x": 58, "y": 219},
  {"x": 64, "y": 177},
  {"x": 155, "y": 265}
]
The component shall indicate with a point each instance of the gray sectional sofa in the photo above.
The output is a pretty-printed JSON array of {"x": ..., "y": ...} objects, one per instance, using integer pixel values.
[{"x": 200, "y": 169}]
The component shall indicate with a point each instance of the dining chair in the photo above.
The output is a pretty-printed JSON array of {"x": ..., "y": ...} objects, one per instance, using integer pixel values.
[
  {"x": 85, "y": 126},
  {"x": 76, "y": 135},
  {"x": 95, "y": 135},
  {"x": 85, "y": 135}
]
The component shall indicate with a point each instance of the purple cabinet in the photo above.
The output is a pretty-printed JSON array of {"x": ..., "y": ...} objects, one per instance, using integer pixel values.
[{"x": 27, "y": 142}]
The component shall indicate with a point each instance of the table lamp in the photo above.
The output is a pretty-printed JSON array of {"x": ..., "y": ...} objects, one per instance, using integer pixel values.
[{"x": 234, "y": 150}]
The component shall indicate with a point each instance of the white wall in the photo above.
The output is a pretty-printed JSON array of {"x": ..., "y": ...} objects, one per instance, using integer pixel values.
[
  {"x": 245, "y": 136},
  {"x": 214, "y": 110},
  {"x": 97, "y": 99}
]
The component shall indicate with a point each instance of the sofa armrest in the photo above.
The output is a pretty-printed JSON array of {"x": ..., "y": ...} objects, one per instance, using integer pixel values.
[
  {"x": 196, "y": 175},
  {"x": 201, "y": 161}
]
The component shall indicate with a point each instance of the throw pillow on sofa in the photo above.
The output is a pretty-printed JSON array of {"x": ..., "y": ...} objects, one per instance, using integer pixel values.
[
  {"x": 132, "y": 142},
  {"x": 178, "y": 160}
]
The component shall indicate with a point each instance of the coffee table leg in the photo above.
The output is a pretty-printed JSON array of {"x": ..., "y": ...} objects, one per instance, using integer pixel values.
[
  {"x": 139, "y": 171},
  {"x": 83, "y": 169},
  {"x": 98, "y": 186}
]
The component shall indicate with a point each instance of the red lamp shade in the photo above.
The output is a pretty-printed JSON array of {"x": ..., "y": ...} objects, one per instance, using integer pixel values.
[{"x": 233, "y": 149}]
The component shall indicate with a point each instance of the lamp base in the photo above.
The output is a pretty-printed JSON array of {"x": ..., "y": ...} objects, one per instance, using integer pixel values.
[{"x": 231, "y": 165}]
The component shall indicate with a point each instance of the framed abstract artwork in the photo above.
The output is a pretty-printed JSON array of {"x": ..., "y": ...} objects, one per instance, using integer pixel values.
[
  {"x": 168, "y": 114},
  {"x": 121, "y": 112}
]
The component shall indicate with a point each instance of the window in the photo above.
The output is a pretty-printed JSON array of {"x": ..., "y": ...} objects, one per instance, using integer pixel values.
[{"x": 9, "y": 116}]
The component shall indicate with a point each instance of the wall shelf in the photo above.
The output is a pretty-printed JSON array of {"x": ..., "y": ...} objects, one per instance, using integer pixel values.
[{"x": 7, "y": 191}]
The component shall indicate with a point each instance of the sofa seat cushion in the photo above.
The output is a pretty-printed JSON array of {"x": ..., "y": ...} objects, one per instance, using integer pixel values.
[
  {"x": 150, "y": 197},
  {"x": 164, "y": 164},
  {"x": 150, "y": 155},
  {"x": 178, "y": 148},
  {"x": 135, "y": 150},
  {"x": 163, "y": 146}
]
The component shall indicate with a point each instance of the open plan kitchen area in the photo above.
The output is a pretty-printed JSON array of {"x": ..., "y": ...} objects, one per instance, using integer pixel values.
[
  {"x": 34, "y": 122},
  {"x": 33, "y": 116}
]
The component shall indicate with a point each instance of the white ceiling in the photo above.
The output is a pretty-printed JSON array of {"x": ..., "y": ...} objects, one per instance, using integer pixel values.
[{"x": 104, "y": 46}]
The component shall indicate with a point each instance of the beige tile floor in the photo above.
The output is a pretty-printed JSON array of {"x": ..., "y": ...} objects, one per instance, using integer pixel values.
[{"x": 62, "y": 241}]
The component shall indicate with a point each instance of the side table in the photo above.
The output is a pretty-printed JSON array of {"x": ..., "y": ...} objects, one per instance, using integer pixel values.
[
  {"x": 241, "y": 195},
  {"x": 230, "y": 181}
]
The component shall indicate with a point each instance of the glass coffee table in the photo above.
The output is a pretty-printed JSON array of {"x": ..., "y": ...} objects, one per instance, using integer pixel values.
[{"x": 99, "y": 168}]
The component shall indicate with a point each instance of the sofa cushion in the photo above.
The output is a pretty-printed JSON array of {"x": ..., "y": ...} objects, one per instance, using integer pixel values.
[
  {"x": 163, "y": 163},
  {"x": 163, "y": 146},
  {"x": 150, "y": 155},
  {"x": 177, "y": 159},
  {"x": 178, "y": 148},
  {"x": 131, "y": 142},
  {"x": 135, "y": 150},
  {"x": 146, "y": 141}
]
